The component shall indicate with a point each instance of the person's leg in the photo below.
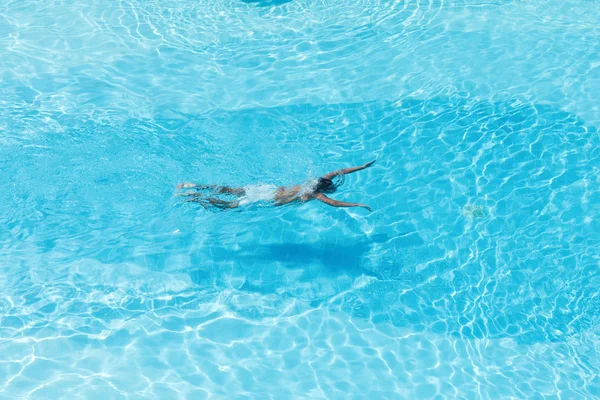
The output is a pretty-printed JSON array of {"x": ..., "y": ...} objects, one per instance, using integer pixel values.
[
  {"x": 215, "y": 188},
  {"x": 215, "y": 202},
  {"x": 230, "y": 190},
  {"x": 222, "y": 203},
  {"x": 190, "y": 194}
]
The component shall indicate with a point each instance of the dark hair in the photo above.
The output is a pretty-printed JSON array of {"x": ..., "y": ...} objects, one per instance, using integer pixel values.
[{"x": 325, "y": 185}]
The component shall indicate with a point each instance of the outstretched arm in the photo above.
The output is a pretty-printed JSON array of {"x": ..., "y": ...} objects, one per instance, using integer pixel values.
[
  {"x": 336, "y": 203},
  {"x": 348, "y": 170}
]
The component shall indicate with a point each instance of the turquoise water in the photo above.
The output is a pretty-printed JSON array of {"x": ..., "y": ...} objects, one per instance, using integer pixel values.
[{"x": 476, "y": 275}]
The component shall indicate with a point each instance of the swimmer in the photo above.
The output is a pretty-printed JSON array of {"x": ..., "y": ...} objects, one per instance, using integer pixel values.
[{"x": 271, "y": 193}]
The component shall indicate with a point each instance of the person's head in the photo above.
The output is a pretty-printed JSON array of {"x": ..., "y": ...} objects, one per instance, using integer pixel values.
[{"x": 325, "y": 185}]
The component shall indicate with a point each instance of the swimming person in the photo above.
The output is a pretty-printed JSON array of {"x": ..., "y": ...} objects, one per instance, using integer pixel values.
[{"x": 279, "y": 196}]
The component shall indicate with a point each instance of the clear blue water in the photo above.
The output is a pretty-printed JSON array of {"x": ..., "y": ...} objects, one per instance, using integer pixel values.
[{"x": 476, "y": 275}]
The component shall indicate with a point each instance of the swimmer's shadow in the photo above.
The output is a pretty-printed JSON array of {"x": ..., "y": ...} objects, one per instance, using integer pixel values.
[{"x": 327, "y": 259}]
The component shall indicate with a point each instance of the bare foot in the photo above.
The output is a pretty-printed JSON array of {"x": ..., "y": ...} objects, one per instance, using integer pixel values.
[{"x": 186, "y": 185}]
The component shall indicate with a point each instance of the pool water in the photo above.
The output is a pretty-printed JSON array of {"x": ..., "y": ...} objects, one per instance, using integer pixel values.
[{"x": 475, "y": 276}]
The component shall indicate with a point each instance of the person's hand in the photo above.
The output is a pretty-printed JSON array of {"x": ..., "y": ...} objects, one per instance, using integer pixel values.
[
  {"x": 366, "y": 206},
  {"x": 370, "y": 163}
]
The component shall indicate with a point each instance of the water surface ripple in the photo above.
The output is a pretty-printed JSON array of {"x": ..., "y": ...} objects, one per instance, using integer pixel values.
[{"x": 476, "y": 275}]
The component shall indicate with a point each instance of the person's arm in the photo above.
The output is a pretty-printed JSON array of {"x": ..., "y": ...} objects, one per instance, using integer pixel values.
[
  {"x": 348, "y": 170},
  {"x": 336, "y": 203}
]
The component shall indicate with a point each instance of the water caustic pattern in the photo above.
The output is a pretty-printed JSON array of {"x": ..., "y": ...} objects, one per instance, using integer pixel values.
[{"x": 476, "y": 276}]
